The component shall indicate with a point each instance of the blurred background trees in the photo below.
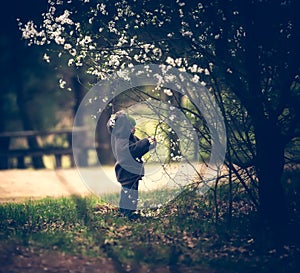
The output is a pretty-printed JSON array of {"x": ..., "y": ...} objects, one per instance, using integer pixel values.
[{"x": 30, "y": 96}]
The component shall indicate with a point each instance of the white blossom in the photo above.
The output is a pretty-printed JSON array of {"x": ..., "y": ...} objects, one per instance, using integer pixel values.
[
  {"x": 70, "y": 62},
  {"x": 206, "y": 72},
  {"x": 102, "y": 8},
  {"x": 187, "y": 33},
  {"x": 73, "y": 51},
  {"x": 59, "y": 40},
  {"x": 85, "y": 40},
  {"x": 229, "y": 70},
  {"x": 46, "y": 57},
  {"x": 157, "y": 52},
  {"x": 67, "y": 46},
  {"x": 168, "y": 92},
  {"x": 178, "y": 61},
  {"x": 64, "y": 18},
  {"x": 62, "y": 83},
  {"x": 170, "y": 61},
  {"x": 195, "y": 78},
  {"x": 172, "y": 117},
  {"x": 194, "y": 68}
]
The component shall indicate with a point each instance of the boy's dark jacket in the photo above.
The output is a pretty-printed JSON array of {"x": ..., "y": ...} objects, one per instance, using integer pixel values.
[{"x": 128, "y": 151}]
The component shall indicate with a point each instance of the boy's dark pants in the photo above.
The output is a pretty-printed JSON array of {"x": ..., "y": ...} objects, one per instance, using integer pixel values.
[{"x": 129, "y": 197}]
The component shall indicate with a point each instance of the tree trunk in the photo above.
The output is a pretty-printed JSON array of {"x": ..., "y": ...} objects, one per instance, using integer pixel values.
[
  {"x": 4, "y": 147},
  {"x": 103, "y": 139},
  {"x": 269, "y": 165},
  {"x": 37, "y": 161},
  {"x": 24, "y": 107},
  {"x": 79, "y": 93},
  {"x": 4, "y": 142}
]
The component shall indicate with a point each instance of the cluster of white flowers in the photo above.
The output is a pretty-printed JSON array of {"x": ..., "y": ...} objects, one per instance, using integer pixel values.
[
  {"x": 102, "y": 8},
  {"x": 112, "y": 27},
  {"x": 114, "y": 60},
  {"x": 83, "y": 41},
  {"x": 112, "y": 121},
  {"x": 30, "y": 33},
  {"x": 174, "y": 62},
  {"x": 103, "y": 55},
  {"x": 123, "y": 40},
  {"x": 64, "y": 18}
]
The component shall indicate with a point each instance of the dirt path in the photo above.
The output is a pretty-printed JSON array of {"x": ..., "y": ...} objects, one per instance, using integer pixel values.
[
  {"x": 17, "y": 259},
  {"x": 17, "y": 185},
  {"x": 20, "y": 259}
]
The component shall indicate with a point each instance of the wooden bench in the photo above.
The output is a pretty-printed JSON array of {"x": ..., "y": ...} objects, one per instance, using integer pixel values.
[{"x": 7, "y": 153}]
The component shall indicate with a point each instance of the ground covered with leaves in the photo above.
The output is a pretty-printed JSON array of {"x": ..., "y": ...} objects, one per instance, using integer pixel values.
[{"x": 77, "y": 234}]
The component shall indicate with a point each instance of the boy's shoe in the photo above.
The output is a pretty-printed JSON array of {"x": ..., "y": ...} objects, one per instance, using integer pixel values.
[
  {"x": 134, "y": 215},
  {"x": 130, "y": 214}
]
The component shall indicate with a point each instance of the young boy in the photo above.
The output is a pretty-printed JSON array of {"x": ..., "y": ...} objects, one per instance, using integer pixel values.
[{"x": 128, "y": 151}]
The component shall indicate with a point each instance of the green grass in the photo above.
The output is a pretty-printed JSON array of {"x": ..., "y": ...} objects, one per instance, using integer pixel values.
[
  {"x": 148, "y": 199},
  {"x": 182, "y": 233}
]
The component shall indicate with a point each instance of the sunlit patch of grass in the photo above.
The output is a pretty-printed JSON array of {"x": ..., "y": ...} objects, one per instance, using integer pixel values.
[
  {"x": 51, "y": 223},
  {"x": 157, "y": 198}
]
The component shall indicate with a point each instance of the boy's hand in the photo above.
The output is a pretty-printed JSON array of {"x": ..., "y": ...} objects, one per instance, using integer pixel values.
[{"x": 152, "y": 142}]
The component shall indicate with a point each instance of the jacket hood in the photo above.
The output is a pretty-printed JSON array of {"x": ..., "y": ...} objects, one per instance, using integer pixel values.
[{"x": 120, "y": 126}]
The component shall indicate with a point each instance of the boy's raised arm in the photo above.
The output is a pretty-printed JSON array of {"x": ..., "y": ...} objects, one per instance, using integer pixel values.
[{"x": 141, "y": 147}]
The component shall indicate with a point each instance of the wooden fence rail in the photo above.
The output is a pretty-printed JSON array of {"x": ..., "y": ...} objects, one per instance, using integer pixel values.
[{"x": 9, "y": 154}]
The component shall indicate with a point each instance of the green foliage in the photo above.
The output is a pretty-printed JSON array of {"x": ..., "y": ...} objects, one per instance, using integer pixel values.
[{"x": 183, "y": 233}]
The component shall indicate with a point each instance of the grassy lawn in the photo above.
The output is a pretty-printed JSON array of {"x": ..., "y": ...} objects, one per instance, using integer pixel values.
[{"x": 182, "y": 236}]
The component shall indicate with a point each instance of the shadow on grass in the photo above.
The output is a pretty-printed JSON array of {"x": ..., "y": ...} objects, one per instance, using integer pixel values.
[{"x": 83, "y": 210}]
